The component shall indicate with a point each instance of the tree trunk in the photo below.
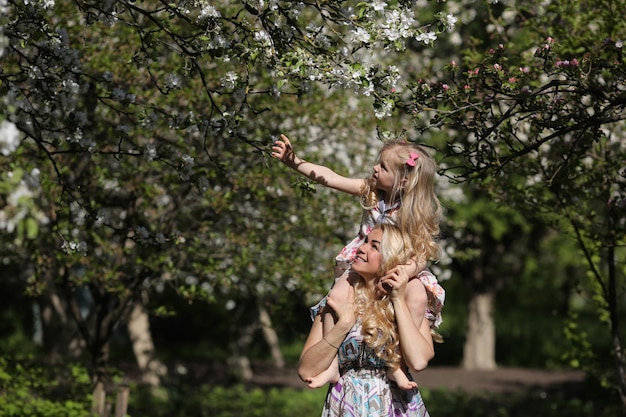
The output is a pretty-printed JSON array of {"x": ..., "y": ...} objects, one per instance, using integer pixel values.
[
  {"x": 59, "y": 335},
  {"x": 618, "y": 348},
  {"x": 479, "y": 352},
  {"x": 98, "y": 405},
  {"x": 138, "y": 326},
  {"x": 239, "y": 362},
  {"x": 271, "y": 337}
]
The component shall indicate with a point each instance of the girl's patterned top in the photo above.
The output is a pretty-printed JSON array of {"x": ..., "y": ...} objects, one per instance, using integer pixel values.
[{"x": 379, "y": 214}]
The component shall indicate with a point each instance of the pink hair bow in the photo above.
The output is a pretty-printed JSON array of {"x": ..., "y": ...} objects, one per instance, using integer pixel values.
[{"x": 412, "y": 158}]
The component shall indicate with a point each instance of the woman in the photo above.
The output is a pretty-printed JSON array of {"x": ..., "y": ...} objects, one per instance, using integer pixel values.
[{"x": 357, "y": 325}]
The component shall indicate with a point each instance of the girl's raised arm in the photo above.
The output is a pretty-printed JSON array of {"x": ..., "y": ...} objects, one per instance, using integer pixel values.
[{"x": 283, "y": 151}]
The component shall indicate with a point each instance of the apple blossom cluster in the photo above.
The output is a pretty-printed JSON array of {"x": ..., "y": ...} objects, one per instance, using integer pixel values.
[
  {"x": 393, "y": 26},
  {"x": 384, "y": 109},
  {"x": 44, "y": 4},
  {"x": 71, "y": 247},
  {"x": 207, "y": 11},
  {"x": 19, "y": 200},
  {"x": 143, "y": 235},
  {"x": 9, "y": 137},
  {"x": 364, "y": 26}
]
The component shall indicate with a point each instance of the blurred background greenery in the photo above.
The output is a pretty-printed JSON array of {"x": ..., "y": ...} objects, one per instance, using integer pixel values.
[{"x": 149, "y": 241}]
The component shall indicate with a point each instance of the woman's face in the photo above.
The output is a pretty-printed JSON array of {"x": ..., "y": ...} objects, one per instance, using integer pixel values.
[{"x": 369, "y": 258}]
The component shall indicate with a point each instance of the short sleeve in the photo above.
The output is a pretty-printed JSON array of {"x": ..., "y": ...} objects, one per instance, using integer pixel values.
[
  {"x": 436, "y": 298},
  {"x": 315, "y": 310}
]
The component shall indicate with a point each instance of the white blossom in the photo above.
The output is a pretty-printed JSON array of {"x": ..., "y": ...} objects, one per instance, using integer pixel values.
[
  {"x": 9, "y": 138},
  {"x": 71, "y": 86},
  {"x": 449, "y": 21},
  {"x": 379, "y": 5},
  {"x": 262, "y": 37},
  {"x": 208, "y": 12},
  {"x": 229, "y": 79},
  {"x": 361, "y": 35},
  {"x": 427, "y": 38},
  {"x": 385, "y": 109},
  {"x": 149, "y": 152},
  {"x": 172, "y": 81},
  {"x": 188, "y": 161}
]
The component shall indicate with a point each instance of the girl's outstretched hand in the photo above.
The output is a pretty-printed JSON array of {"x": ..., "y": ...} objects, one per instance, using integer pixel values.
[{"x": 282, "y": 150}]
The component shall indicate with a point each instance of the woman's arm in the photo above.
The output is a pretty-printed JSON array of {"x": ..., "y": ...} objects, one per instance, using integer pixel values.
[
  {"x": 283, "y": 151},
  {"x": 409, "y": 299},
  {"x": 321, "y": 347}
]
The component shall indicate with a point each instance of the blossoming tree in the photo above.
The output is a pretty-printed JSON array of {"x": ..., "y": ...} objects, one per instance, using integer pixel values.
[
  {"x": 141, "y": 125},
  {"x": 535, "y": 113}
]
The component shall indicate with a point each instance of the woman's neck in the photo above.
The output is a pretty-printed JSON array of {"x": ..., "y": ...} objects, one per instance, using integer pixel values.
[{"x": 370, "y": 282}]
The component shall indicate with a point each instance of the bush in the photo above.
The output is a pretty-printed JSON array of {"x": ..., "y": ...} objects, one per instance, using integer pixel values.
[
  {"x": 232, "y": 401},
  {"x": 239, "y": 401},
  {"x": 30, "y": 390}
]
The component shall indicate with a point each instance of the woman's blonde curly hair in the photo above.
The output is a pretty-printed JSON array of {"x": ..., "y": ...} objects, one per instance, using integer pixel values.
[
  {"x": 420, "y": 210},
  {"x": 377, "y": 315}
]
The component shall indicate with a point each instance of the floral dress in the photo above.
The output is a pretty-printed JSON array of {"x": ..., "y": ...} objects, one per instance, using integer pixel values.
[{"x": 363, "y": 390}]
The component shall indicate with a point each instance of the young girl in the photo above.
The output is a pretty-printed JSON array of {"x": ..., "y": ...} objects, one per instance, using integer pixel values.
[{"x": 401, "y": 189}]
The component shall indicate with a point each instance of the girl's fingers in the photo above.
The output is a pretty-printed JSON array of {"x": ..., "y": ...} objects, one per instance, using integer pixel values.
[{"x": 286, "y": 140}]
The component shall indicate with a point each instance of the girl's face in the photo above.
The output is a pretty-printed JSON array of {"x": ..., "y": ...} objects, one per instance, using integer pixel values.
[
  {"x": 384, "y": 174},
  {"x": 369, "y": 258}
]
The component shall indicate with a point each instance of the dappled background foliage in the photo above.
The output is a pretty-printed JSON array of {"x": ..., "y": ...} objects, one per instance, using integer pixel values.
[{"x": 135, "y": 173}]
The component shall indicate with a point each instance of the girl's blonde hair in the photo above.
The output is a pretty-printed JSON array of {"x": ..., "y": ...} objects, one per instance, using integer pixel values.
[
  {"x": 420, "y": 210},
  {"x": 378, "y": 318}
]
